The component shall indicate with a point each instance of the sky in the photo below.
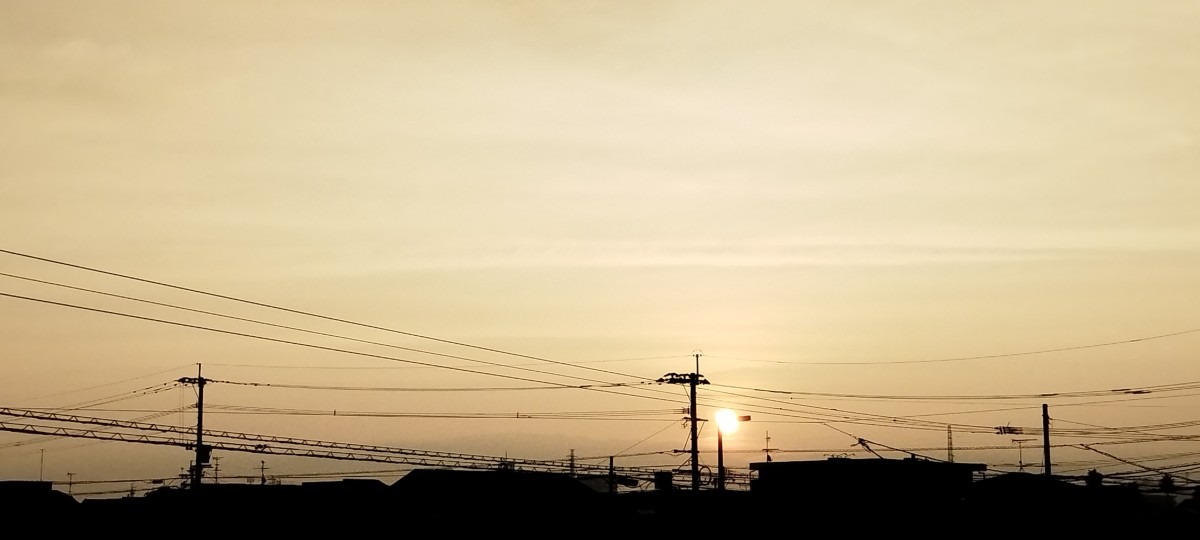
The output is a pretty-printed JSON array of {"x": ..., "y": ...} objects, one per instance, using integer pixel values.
[{"x": 879, "y": 200}]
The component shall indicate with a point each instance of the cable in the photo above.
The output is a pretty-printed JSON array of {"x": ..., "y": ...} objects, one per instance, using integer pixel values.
[
  {"x": 862, "y": 416},
  {"x": 872, "y": 418},
  {"x": 1135, "y": 464},
  {"x": 105, "y": 384},
  {"x": 965, "y": 358},
  {"x": 414, "y": 389},
  {"x": 300, "y": 312},
  {"x": 309, "y": 314},
  {"x": 1170, "y": 387},
  {"x": 297, "y": 329},
  {"x": 147, "y": 391},
  {"x": 621, "y": 454},
  {"x": 569, "y": 415},
  {"x": 495, "y": 364},
  {"x": 278, "y": 366},
  {"x": 311, "y": 345}
]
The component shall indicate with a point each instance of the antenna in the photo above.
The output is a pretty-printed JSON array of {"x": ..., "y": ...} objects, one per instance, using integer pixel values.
[
  {"x": 1021, "y": 453},
  {"x": 768, "y": 448}
]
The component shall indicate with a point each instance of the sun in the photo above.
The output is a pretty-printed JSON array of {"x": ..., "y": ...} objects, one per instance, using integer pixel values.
[{"x": 727, "y": 421}]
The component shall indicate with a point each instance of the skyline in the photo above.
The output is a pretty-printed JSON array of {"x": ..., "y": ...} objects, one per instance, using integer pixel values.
[{"x": 868, "y": 199}]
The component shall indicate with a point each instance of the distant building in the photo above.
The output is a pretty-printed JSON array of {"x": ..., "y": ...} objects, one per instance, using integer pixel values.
[{"x": 885, "y": 486}]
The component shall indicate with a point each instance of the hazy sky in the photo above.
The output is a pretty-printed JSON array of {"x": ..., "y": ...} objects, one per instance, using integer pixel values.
[{"x": 784, "y": 186}]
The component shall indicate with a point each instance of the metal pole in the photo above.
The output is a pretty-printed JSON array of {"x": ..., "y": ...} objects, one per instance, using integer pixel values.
[
  {"x": 202, "y": 453},
  {"x": 720, "y": 460},
  {"x": 200, "y": 458},
  {"x": 1046, "y": 440}
]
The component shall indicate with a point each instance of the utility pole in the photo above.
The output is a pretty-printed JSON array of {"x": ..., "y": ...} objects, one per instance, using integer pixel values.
[
  {"x": 572, "y": 463},
  {"x": 949, "y": 443},
  {"x": 42, "y": 466},
  {"x": 692, "y": 380},
  {"x": 612, "y": 475},
  {"x": 70, "y": 483},
  {"x": 202, "y": 452},
  {"x": 262, "y": 471},
  {"x": 1046, "y": 440}
]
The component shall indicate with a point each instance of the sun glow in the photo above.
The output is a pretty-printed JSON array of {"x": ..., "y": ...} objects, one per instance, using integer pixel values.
[{"x": 727, "y": 421}]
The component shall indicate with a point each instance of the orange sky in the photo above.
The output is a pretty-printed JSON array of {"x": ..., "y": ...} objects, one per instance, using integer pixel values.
[{"x": 806, "y": 192}]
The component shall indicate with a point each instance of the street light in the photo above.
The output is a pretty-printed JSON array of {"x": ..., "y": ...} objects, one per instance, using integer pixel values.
[{"x": 727, "y": 421}]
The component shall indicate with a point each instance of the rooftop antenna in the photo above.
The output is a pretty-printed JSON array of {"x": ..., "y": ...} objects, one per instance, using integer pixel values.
[
  {"x": 1021, "y": 453},
  {"x": 768, "y": 447}
]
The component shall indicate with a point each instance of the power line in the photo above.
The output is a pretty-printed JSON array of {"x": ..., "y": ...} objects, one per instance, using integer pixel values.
[
  {"x": 863, "y": 417},
  {"x": 318, "y": 316},
  {"x": 965, "y": 358},
  {"x": 540, "y": 415},
  {"x": 297, "y": 329},
  {"x": 424, "y": 389},
  {"x": 571, "y": 415},
  {"x": 147, "y": 391},
  {"x": 1135, "y": 464},
  {"x": 308, "y": 314},
  {"x": 1170, "y": 387},
  {"x": 870, "y": 418},
  {"x": 76, "y": 391},
  {"x": 279, "y": 366},
  {"x": 877, "y": 418},
  {"x": 313, "y": 346},
  {"x": 634, "y": 445},
  {"x": 270, "y": 444}
]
